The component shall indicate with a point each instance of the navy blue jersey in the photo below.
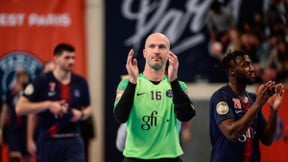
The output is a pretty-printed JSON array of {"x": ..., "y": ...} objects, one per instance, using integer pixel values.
[
  {"x": 15, "y": 122},
  {"x": 47, "y": 87},
  {"x": 16, "y": 125},
  {"x": 226, "y": 104}
]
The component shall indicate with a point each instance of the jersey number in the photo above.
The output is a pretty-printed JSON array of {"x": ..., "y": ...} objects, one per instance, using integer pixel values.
[{"x": 156, "y": 95}]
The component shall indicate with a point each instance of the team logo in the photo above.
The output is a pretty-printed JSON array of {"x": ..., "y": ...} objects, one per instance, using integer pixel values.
[
  {"x": 52, "y": 86},
  {"x": 169, "y": 93},
  {"x": 15, "y": 61},
  {"x": 77, "y": 93},
  {"x": 237, "y": 103},
  {"x": 222, "y": 108}
]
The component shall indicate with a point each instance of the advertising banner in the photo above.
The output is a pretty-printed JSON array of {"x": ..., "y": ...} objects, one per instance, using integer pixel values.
[{"x": 30, "y": 29}]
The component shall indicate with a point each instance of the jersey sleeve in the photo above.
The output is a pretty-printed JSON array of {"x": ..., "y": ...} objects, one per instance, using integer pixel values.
[
  {"x": 86, "y": 98},
  {"x": 222, "y": 107},
  {"x": 120, "y": 90},
  {"x": 32, "y": 90},
  {"x": 183, "y": 86}
]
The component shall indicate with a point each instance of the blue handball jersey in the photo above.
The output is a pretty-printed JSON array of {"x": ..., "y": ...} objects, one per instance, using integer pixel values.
[
  {"x": 46, "y": 87},
  {"x": 226, "y": 104},
  {"x": 15, "y": 122}
]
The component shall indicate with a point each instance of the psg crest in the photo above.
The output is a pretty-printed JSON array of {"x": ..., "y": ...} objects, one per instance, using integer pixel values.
[{"x": 15, "y": 61}]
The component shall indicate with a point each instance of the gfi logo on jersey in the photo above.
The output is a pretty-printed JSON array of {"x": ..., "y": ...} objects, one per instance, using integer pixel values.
[{"x": 149, "y": 120}]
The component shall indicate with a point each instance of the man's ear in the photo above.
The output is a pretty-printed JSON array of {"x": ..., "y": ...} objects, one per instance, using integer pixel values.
[{"x": 144, "y": 53}]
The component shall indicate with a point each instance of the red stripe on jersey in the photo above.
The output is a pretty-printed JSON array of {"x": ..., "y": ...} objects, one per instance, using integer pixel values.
[
  {"x": 65, "y": 92},
  {"x": 248, "y": 148},
  {"x": 53, "y": 130}
]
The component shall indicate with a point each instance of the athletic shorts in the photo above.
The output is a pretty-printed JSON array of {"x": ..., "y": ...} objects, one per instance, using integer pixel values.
[
  {"x": 61, "y": 149},
  {"x": 17, "y": 142},
  {"x": 156, "y": 160}
]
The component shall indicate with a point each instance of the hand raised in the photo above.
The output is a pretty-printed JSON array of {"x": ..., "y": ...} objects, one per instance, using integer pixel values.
[
  {"x": 132, "y": 67},
  {"x": 276, "y": 99},
  {"x": 173, "y": 66},
  {"x": 264, "y": 92}
]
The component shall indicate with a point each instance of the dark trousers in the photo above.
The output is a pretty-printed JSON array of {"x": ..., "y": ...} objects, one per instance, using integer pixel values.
[{"x": 155, "y": 160}]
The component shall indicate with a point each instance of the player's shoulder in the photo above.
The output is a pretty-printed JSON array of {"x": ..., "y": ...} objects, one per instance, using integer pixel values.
[
  {"x": 252, "y": 95},
  {"x": 123, "y": 83},
  {"x": 221, "y": 92},
  {"x": 182, "y": 84},
  {"x": 42, "y": 77},
  {"x": 77, "y": 77}
]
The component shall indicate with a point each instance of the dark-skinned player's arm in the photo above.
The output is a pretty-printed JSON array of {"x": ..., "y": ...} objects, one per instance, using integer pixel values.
[
  {"x": 235, "y": 129},
  {"x": 275, "y": 101}
]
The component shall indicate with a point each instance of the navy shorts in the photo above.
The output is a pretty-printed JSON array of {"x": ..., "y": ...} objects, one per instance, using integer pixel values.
[
  {"x": 16, "y": 141},
  {"x": 69, "y": 149}
]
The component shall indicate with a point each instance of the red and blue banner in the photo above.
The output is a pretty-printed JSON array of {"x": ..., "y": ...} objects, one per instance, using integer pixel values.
[
  {"x": 278, "y": 150},
  {"x": 29, "y": 31}
]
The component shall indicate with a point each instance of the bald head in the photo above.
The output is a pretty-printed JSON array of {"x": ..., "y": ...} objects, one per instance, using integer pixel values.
[{"x": 157, "y": 37}]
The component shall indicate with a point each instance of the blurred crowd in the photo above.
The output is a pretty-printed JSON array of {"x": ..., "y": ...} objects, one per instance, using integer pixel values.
[{"x": 263, "y": 33}]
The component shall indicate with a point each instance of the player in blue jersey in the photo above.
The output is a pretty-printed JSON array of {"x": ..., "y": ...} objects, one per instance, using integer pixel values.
[
  {"x": 48, "y": 66},
  {"x": 60, "y": 99},
  {"x": 16, "y": 125},
  {"x": 151, "y": 103},
  {"x": 237, "y": 124}
]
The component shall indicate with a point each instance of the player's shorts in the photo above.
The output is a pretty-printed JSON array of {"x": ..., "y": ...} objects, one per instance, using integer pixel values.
[
  {"x": 16, "y": 141},
  {"x": 178, "y": 159},
  {"x": 61, "y": 148}
]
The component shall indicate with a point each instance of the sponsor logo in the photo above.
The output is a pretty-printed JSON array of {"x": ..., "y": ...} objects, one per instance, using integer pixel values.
[
  {"x": 50, "y": 94},
  {"x": 140, "y": 93},
  {"x": 237, "y": 111},
  {"x": 149, "y": 120},
  {"x": 249, "y": 134}
]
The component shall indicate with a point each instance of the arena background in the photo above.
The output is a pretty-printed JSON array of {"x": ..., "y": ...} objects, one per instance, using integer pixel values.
[{"x": 103, "y": 33}]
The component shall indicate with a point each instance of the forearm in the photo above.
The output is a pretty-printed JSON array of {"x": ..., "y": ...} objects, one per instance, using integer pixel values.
[
  {"x": 3, "y": 116},
  {"x": 31, "y": 125},
  {"x": 124, "y": 106},
  {"x": 270, "y": 129},
  {"x": 183, "y": 107},
  {"x": 235, "y": 129},
  {"x": 86, "y": 113},
  {"x": 24, "y": 106},
  {"x": 4, "y": 113}
]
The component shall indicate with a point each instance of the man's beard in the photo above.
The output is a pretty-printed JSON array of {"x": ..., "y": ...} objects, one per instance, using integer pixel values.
[{"x": 246, "y": 80}]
